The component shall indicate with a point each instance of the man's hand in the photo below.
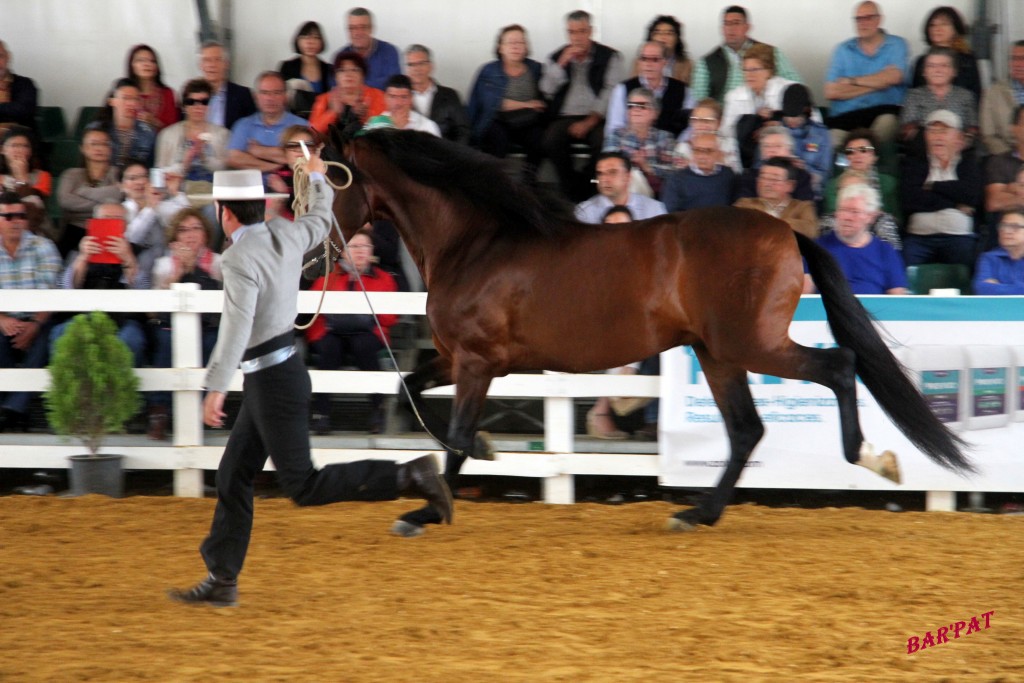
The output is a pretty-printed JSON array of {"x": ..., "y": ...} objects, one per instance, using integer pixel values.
[
  {"x": 26, "y": 335},
  {"x": 213, "y": 409},
  {"x": 315, "y": 164}
]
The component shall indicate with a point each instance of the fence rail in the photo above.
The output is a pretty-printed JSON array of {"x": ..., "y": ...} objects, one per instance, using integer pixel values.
[{"x": 187, "y": 454}]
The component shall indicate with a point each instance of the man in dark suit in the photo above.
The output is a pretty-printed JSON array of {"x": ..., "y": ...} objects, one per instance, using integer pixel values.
[
  {"x": 230, "y": 101},
  {"x": 438, "y": 103},
  {"x": 261, "y": 284}
]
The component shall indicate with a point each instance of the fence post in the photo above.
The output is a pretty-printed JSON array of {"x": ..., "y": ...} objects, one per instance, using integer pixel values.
[
  {"x": 559, "y": 489},
  {"x": 187, "y": 352}
]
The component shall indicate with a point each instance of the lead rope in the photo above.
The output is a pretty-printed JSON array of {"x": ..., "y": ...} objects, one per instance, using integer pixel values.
[
  {"x": 301, "y": 186},
  {"x": 300, "y": 183}
]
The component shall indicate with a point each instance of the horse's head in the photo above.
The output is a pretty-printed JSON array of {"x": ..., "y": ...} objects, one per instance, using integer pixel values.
[{"x": 352, "y": 204}]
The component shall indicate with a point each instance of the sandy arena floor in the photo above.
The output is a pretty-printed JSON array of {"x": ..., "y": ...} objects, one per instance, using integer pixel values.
[{"x": 511, "y": 592}]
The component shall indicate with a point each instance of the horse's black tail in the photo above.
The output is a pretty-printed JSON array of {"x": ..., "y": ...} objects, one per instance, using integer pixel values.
[{"x": 882, "y": 374}]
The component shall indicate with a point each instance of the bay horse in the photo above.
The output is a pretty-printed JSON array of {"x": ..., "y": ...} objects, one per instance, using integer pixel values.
[{"x": 515, "y": 284}]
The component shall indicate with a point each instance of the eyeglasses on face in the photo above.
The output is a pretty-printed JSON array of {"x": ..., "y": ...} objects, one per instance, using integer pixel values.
[
  {"x": 651, "y": 59},
  {"x": 638, "y": 105},
  {"x": 866, "y": 17},
  {"x": 703, "y": 119},
  {"x": 14, "y": 216},
  {"x": 297, "y": 145},
  {"x": 704, "y": 150},
  {"x": 422, "y": 62},
  {"x": 1009, "y": 227},
  {"x": 189, "y": 101},
  {"x": 862, "y": 149}
]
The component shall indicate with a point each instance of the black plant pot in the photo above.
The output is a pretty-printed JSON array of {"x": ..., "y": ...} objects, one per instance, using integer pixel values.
[{"x": 100, "y": 474}]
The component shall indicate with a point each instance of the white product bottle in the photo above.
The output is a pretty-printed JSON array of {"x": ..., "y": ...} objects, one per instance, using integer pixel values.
[
  {"x": 1018, "y": 385},
  {"x": 987, "y": 396},
  {"x": 938, "y": 373}
]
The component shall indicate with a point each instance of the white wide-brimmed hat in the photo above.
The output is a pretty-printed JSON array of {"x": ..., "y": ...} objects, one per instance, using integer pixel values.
[{"x": 238, "y": 186}]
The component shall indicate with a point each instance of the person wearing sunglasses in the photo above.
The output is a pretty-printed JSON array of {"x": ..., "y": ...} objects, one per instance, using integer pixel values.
[
  {"x": 194, "y": 146},
  {"x": 650, "y": 148},
  {"x": 1001, "y": 270},
  {"x": 27, "y": 261},
  {"x": 670, "y": 93},
  {"x": 860, "y": 149}
]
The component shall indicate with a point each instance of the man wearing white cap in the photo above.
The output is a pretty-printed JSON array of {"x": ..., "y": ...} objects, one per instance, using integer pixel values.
[
  {"x": 261, "y": 271},
  {"x": 941, "y": 194}
]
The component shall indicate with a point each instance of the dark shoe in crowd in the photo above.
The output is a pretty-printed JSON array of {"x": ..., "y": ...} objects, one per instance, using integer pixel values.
[
  {"x": 422, "y": 478},
  {"x": 210, "y": 591},
  {"x": 321, "y": 424},
  {"x": 159, "y": 417},
  {"x": 13, "y": 421}
]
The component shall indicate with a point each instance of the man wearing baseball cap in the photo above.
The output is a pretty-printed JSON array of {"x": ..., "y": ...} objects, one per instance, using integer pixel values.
[
  {"x": 262, "y": 268},
  {"x": 941, "y": 194}
]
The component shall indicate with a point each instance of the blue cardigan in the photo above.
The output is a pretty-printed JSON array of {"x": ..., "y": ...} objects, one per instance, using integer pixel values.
[{"x": 488, "y": 92}]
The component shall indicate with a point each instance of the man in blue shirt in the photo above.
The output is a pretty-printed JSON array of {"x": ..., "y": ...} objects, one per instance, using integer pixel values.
[
  {"x": 1001, "y": 271},
  {"x": 381, "y": 56},
  {"x": 871, "y": 265},
  {"x": 256, "y": 139},
  {"x": 612, "y": 171},
  {"x": 865, "y": 80}
]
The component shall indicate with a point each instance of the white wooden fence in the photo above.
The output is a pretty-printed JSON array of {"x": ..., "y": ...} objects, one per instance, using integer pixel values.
[{"x": 187, "y": 454}]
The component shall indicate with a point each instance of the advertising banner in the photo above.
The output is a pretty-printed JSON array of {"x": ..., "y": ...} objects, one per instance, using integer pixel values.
[{"x": 965, "y": 354}]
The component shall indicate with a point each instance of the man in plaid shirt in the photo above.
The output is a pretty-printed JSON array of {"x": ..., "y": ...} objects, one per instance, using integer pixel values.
[{"x": 27, "y": 261}]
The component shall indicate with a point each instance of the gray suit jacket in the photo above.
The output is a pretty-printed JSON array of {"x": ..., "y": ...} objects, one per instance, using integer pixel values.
[{"x": 261, "y": 283}]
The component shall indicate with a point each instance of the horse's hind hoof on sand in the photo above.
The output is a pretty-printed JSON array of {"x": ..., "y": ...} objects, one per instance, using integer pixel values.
[
  {"x": 676, "y": 523},
  {"x": 407, "y": 529}
]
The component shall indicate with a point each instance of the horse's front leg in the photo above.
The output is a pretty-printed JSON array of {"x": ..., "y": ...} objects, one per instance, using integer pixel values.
[{"x": 462, "y": 442}]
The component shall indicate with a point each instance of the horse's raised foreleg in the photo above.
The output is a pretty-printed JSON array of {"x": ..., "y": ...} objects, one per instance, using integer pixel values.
[
  {"x": 729, "y": 387},
  {"x": 462, "y": 440}
]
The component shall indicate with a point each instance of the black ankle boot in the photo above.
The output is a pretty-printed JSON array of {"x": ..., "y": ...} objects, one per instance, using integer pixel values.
[{"x": 422, "y": 478}]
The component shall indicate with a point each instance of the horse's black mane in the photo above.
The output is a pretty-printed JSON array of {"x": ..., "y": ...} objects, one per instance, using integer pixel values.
[{"x": 520, "y": 211}]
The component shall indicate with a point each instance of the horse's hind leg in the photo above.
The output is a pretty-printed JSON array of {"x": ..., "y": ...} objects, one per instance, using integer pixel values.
[
  {"x": 729, "y": 387},
  {"x": 834, "y": 368}
]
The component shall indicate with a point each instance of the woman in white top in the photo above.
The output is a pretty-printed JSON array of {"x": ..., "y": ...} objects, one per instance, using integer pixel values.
[
  {"x": 761, "y": 93},
  {"x": 194, "y": 147}
]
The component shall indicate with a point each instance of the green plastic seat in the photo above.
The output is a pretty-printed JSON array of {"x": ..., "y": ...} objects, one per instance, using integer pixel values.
[
  {"x": 51, "y": 124},
  {"x": 928, "y": 276}
]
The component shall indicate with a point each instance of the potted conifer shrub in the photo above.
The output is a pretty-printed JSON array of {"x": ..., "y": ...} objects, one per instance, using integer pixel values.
[{"x": 93, "y": 391}]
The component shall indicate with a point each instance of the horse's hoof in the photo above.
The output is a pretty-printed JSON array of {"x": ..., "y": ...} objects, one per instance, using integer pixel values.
[
  {"x": 889, "y": 467},
  {"x": 483, "y": 449},
  {"x": 676, "y": 524},
  {"x": 406, "y": 530}
]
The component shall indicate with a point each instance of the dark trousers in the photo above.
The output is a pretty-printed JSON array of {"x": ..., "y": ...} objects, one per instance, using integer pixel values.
[
  {"x": 273, "y": 420},
  {"x": 862, "y": 118},
  {"x": 499, "y": 138},
  {"x": 918, "y": 249},
  {"x": 558, "y": 148},
  {"x": 331, "y": 349},
  {"x": 34, "y": 357}
]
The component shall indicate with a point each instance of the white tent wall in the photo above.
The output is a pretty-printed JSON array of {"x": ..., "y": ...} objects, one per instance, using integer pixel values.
[{"x": 73, "y": 49}]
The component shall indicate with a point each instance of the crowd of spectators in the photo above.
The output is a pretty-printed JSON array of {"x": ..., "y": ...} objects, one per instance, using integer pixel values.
[{"x": 905, "y": 163}]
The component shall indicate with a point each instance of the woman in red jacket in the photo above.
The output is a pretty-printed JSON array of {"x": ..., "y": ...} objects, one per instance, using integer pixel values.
[
  {"x": 335, "y": 337},
  {"x": 158, "y": 107}
]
